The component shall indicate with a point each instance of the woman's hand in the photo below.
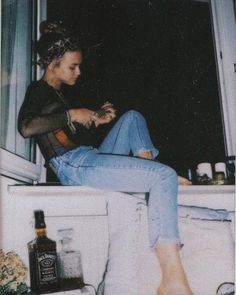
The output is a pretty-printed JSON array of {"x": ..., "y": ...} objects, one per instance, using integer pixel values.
[
  {"x": 107, "y": 117},
  {"x": 183, "y": 181},
  {"x": 82, "y": 116}
]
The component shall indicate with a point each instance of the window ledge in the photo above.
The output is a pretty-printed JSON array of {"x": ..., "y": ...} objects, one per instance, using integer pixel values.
[
  {"x": 71, "y": 190},
  {"x": 18, "y": 168},
  {"x": 206, "y": 189},
  {"x": 216, "y": 197},
  {"x": 210, "y": 196}
]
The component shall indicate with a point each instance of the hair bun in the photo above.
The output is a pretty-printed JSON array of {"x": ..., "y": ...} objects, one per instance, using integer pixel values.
[
  {"x": 47, "y": 27},
  {"x": 54, "y": 42}
]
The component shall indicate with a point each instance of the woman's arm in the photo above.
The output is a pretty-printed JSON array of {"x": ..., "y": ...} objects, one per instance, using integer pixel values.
[
  {"x": 31, "y": 123},
  {"x": 41, "y": 113}
]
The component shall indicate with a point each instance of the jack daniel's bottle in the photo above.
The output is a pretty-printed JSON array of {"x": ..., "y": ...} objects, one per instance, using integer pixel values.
[{"x": 42, "y": 259}]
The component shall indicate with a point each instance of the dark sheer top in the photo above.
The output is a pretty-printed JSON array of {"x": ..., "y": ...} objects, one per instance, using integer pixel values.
[{"x": 43, "y": 112}]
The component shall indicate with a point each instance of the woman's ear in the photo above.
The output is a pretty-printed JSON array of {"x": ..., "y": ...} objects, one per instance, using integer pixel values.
[{"x": 53, "y": 64}]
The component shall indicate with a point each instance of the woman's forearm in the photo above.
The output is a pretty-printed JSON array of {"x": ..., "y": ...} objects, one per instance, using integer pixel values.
[{"x": 30, "y": 126}]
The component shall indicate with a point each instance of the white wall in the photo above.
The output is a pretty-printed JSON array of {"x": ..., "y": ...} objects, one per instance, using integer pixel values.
[{"x": 6, "y": 212}]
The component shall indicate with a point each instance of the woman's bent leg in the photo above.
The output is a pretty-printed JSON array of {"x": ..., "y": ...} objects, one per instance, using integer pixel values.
[
  {"x": 129, "y": 174},
  {"x": 129, "y": 134}
]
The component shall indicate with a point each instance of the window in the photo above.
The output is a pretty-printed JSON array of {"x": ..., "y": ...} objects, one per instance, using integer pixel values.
[
  {"x": 16, "y": 71},
  {"x": 18, "y": 155},
  {"x": 159, "y": 57}
]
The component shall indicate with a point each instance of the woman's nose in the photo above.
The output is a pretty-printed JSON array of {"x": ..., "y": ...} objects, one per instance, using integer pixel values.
[{"x": 78, "y": 72}]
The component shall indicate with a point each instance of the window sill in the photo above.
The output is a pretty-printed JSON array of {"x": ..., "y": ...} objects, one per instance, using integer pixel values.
[
  {"x": 206, "y": 189},
  {"x": 215, "y": 196},
  {"x": 210, "y": 196},
  {"x": 18, "y": 168}
]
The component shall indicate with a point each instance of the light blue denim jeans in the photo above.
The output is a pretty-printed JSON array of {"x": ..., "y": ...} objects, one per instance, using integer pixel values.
[{"x": 110, "y": 167}]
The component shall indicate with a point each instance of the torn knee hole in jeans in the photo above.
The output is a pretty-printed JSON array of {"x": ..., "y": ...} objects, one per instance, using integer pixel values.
[{"x": 143, "y": 153}]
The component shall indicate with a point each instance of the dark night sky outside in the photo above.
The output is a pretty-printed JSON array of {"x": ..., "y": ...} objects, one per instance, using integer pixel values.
[{"x": 156, "y": 57}]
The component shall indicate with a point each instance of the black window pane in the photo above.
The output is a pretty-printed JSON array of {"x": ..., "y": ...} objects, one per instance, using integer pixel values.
[{"x": 156, "y": 57}]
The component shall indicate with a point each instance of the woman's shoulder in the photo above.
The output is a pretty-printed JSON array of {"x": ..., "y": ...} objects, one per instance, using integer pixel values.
[
  {"x": 38, "y": 89},
  {"x": 38, "y": 85}
]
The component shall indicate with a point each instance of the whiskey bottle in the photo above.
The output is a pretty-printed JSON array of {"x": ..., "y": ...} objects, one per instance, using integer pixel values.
[{"x": 42, "y": 259}]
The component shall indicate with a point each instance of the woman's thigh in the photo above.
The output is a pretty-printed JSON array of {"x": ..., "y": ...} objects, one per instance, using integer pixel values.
[{"x": 117, "y": 173}]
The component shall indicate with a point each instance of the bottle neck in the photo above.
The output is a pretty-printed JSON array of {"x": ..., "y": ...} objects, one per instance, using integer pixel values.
[
  {"x": 66, "y": 248},
  {"x": 40, "y": 232}
]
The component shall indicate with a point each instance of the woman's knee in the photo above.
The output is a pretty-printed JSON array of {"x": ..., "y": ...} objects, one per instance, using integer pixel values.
[
  {"x": 169, "y": 174},
  {"x": 133, "y": 114},
  {"x": 173, "y": 175}
]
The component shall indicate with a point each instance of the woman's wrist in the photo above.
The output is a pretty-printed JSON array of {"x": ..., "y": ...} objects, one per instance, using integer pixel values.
[
  {"x": 71, "y": 113},
  {"x": 70, "y": 121}
]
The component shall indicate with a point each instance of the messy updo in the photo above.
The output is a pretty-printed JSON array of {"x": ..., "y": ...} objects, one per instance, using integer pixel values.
[{"x": 54, "y": 42}]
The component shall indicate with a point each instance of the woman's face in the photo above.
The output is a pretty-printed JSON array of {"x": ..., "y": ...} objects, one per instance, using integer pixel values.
[{"x": 68, "y": 69}]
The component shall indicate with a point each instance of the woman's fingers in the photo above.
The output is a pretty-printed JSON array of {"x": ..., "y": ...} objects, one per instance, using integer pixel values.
[
  {"x": 86, "y": 117},
  {"x": 83, "y": 116},
  {"x": 107, "y": 105},
  {"x": 183, "y": 181}
]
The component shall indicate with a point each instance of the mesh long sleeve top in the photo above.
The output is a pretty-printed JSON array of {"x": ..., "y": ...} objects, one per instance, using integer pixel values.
[{"x": 41, "y": 113}]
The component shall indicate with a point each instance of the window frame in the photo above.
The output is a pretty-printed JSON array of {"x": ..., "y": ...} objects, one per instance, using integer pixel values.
[
  {"x": 12, "y": 165},
  {"x": 224, "y": 26},
  {"x": 223, "y": 17}
]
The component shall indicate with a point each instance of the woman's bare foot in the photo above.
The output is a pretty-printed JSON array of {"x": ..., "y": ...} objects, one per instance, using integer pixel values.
[
  {"x": 174, "y": 280},
  {"x": 174, "y": 289},
  {"x": 183, "y": 181}
]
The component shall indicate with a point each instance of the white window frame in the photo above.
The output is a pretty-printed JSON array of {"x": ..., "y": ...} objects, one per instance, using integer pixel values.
[
  {"x": 12, "y": 165},
  {"x": 224, "y": 23},
  {"x": 224, "y": 32}
]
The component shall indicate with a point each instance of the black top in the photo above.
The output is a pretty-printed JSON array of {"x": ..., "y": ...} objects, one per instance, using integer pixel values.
[{"x": 42, "y": 112}]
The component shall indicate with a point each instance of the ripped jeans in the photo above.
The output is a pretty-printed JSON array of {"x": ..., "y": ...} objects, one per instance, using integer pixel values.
[{"x": 110, "y": 168}]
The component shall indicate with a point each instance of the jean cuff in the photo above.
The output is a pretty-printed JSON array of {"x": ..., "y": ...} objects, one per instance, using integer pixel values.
[
  {"x": 154, "y": 152},
  {"x": 165, "y": 241}
]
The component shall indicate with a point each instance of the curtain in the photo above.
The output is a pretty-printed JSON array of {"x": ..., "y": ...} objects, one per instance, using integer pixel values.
[
  {"x": 8, "y": 40},
  {"x": 16, "y": 72}
]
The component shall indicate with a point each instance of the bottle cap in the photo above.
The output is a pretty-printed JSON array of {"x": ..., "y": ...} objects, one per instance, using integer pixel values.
[{"x": 39, "y": 219}]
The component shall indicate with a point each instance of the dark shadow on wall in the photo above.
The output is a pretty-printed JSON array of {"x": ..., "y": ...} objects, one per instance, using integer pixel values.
[{"x": 156, "y": 57}]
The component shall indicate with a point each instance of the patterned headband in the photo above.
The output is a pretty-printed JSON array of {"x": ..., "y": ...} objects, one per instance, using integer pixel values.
[{"x": 57, "y": 50}]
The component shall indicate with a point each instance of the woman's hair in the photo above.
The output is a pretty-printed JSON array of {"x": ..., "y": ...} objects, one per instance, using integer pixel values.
[{"x": 54, "y": 42}]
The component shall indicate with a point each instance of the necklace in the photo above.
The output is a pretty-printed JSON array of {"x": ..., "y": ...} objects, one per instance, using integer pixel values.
[
  {"x": 69, "y": 122},
  {"x": 61, "y": 96}
]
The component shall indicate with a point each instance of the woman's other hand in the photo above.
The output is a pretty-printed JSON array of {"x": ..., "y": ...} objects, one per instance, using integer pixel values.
[
  {"x": 83, "y": 116},
  {"x": 107, "y": 117},
  {"x": 183, "y": 181}
]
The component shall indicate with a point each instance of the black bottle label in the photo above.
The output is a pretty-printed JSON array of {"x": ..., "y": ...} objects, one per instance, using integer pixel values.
[{"x": 47, "y": 267}]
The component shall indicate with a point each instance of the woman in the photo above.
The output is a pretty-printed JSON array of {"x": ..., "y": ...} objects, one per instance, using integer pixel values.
[{"x": 47, "y": 116}]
